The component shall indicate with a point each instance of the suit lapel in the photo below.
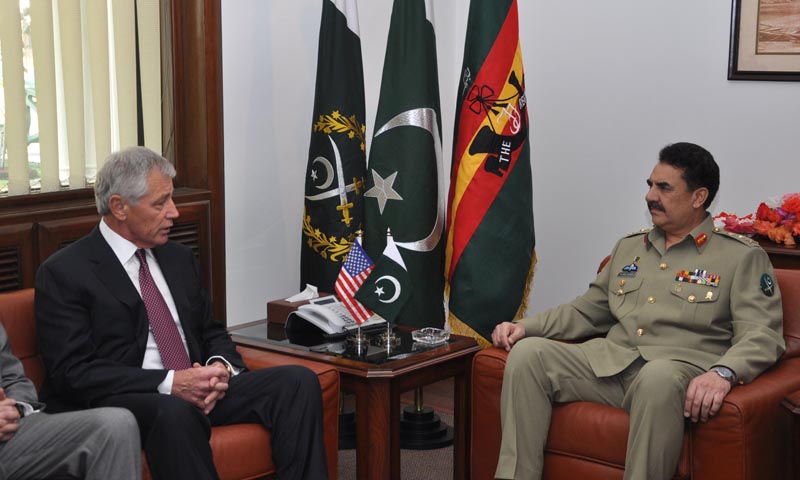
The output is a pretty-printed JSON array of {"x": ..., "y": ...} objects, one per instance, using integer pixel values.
[{"x": 113, "y": 276}]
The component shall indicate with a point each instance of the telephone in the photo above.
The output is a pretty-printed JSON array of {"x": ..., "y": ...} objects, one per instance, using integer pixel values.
[{"x": 330, "y": 316}]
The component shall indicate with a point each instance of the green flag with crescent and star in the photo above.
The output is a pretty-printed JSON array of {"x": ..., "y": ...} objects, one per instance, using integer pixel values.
[
  {"x": 404, "y": 182},
  {"x": 388, "y": 287},
  {"x": 334, "y": 185}
]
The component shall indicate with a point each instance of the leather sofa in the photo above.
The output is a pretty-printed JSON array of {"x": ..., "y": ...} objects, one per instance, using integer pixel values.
[
  {"x": 750, "y": 438},
  {"x": 240, "y": 451}
]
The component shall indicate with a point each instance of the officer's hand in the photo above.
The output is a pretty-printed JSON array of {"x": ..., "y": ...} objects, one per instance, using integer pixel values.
[
  {"x": 9, "y": 417},
  {"x": 506, "y": 335},
  {"x": 704, "y": 396}
]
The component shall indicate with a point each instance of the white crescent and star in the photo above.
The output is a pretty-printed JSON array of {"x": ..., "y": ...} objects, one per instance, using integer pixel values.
[
  {"x": 383, "y": 190},
  {"x": 328, "y": 172},
  {"x": 379, "y": 289},
  {"x": 424, "y": 118}
]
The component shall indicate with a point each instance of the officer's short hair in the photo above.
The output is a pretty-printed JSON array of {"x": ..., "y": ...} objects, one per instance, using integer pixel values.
[
  {"x": 125, "y": 174},
  {"x": 697, "y": 164}
]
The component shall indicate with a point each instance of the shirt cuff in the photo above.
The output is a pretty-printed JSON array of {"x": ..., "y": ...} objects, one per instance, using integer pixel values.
[
  {"x": 165, "y": 386},
  {"x": 218, "y": 358},
  {"x": 25, "y": 408}
]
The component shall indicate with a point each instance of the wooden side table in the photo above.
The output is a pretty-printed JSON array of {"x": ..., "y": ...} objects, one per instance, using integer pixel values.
[
  {"x": 781, "y": 255},
  {"x": 377, "y": 379}
]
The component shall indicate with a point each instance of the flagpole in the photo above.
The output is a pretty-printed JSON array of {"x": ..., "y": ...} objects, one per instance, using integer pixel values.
[
  {"x": 359, "y": 342},
  {"x": 388, "y": 339}
]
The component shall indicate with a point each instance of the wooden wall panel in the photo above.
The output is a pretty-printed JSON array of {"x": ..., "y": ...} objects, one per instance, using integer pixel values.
[
  {"x": 198, "y": 141},
  {"x": 17, "y": 257},
  {"x": 25, "y": 245}
]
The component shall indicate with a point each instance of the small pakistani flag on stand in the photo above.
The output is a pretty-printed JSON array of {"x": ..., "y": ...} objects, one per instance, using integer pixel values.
[
  {"x": 388, "y": 287},
  {"x": 490, "y": 236},
  {"x": 334, "y": 183},
  {"x": 405, "y": 189}
]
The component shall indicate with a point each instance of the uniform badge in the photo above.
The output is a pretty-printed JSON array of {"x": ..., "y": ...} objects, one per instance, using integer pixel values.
[
  {"x": 701, "y": 240},
  {"x": 698, "y": 276},
  {"x": 767, "y": 285},
  {"x": 629, "y": 270}
]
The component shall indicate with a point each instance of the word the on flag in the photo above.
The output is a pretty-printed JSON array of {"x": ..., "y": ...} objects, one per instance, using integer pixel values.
[
  {"x": 490, "y": 236},
  {"x": 354, "y": 272}
]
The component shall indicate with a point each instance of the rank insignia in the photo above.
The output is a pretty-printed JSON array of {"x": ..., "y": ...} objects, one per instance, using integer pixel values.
[
  {"x": 701, "y": 240},
  {"x": 629, "y": 270},
  {"x": 698, "y": 276},
  {"x": 767, "y": 285}
]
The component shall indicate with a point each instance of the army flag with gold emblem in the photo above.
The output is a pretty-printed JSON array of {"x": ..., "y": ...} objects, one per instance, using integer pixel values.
[
  {"x": 490, "y": 236},
  {"x": 405, "y": 191},
  {"x": 333, "y": 209}
]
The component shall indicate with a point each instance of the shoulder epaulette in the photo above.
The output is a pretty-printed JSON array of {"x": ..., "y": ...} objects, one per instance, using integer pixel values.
[
  {"x": 736, "y": 236},
  {"x": 643, "y": 231}
]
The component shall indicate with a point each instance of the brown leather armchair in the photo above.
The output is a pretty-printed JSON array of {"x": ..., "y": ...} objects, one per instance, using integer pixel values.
[
  {"x": 750, "y": 438},
  {"x": 240, "y": 451}
]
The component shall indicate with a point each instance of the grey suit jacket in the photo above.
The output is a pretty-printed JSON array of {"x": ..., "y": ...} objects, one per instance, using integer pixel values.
[{"x": 12, "y": 376}]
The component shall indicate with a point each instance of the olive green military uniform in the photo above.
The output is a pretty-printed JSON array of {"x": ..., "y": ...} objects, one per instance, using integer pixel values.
[{"x": 667, "y": 316}]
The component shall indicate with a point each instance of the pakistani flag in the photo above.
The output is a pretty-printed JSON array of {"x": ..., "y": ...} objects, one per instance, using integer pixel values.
[
  {"x": 388, "y": 287},
  {"x": 334, "y": 184},
  {"x": 404, "y": 182},
  {"x": 490, "y": 237}
]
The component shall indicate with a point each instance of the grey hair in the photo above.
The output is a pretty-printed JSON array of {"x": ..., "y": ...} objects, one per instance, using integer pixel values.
[{"x": 125, "y": 174}]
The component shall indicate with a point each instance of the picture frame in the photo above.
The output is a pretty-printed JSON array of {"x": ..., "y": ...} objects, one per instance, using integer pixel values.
[{"x": 765, "y": 40}]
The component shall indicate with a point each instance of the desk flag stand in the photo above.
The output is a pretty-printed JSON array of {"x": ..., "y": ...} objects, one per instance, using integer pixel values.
[{"x": 421, "y": 428}]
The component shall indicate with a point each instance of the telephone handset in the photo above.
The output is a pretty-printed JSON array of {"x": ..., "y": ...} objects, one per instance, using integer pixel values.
[{"x": 329, "y": 315}]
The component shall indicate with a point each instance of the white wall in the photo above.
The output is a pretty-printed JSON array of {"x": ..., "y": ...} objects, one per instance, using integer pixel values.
[{"x": 608, "y": 84}]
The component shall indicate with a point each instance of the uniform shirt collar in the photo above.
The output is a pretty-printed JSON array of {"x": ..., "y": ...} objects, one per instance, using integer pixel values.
[
  {"x": 123, "y": 248},
  {"x": 702, "y": 233},
  {"x": 699, "y": 236}
]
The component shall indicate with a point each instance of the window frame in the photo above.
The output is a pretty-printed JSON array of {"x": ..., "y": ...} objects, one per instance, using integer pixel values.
[{"x": 197, "y": 138}]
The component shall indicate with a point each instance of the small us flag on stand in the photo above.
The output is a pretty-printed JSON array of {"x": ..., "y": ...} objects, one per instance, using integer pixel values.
[{"x": 355, "y": 270}]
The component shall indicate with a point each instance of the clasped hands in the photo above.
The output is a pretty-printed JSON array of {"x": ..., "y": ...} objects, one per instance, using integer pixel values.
[
  {"x": 9, "y": 417},
  {"x": 202, "y": 386}
]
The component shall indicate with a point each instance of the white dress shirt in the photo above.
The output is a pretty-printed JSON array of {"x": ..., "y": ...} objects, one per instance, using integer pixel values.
[{"x": 125, "y": 252}]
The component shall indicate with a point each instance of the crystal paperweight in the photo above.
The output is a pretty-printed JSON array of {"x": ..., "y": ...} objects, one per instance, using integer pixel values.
[{"x": 430, "y": 335}]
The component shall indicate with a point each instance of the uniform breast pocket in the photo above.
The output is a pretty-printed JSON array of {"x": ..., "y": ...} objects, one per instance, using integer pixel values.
[
  {"x": 623, "y": 299},
  {"x": 697, "y": 302}
]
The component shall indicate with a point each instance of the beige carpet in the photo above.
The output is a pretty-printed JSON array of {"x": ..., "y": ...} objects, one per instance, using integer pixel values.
[{"x": 414, "y": 464}]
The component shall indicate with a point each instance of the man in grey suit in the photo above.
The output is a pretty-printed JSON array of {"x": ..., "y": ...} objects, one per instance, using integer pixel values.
[
  {"x": 92, "y": 444},
  {"x": 681, "y": 314}
]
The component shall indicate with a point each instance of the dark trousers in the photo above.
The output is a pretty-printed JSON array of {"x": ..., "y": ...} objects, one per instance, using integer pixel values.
[{"x": 286, "y": 400}]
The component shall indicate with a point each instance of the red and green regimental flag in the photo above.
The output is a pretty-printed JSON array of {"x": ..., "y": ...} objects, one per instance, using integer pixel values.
[
  {"x": 334, "y": 184},
  {"x": 490, "y": 237},
  {"x": 405, "y": 185}
]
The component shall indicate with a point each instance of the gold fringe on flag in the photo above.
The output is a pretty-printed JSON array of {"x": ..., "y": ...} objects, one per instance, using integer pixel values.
[
  {"x": 460, "y": 328},
  {"x": 523, "y": 307}
]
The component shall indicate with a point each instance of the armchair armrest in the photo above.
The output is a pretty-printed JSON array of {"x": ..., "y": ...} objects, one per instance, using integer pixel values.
[
  {"x": 329, "y": 382},
  {"x": 792, "y": 402}
]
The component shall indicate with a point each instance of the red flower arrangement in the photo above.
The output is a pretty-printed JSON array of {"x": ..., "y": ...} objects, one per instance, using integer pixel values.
[{"x": 777, "y": 220}]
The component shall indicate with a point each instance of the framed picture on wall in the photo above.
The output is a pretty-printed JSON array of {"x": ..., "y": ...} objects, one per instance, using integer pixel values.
[{"x": 765, "y": 40}]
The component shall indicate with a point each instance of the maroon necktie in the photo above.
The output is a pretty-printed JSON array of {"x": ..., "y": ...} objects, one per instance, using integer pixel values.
[{"x": 168, "y": 339}]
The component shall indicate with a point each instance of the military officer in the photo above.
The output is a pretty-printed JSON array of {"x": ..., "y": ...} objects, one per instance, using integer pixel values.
[{"x": 682, "y": 313}]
